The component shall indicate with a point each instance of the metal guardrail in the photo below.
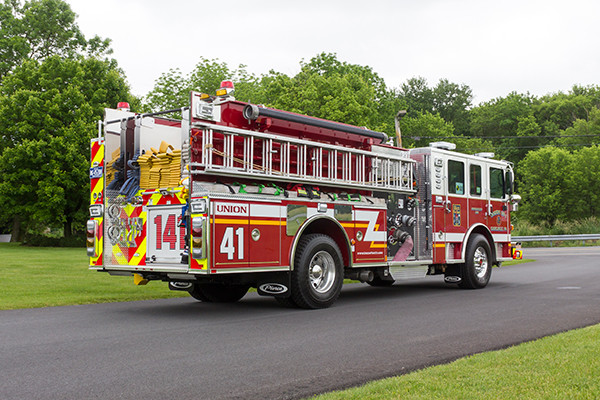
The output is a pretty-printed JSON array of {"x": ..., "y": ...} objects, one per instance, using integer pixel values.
[{"x": 555, "y": 238}]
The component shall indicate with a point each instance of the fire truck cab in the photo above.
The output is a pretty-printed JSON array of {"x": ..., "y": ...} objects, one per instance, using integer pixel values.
[{"x": 233, "y": 195}]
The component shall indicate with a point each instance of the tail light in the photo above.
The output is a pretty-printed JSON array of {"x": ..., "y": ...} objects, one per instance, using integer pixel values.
[
  {"x": 198, "y": 240},
  {"x": 91, "y": 230}
]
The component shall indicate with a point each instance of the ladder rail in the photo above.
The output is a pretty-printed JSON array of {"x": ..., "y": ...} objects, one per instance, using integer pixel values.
[{"x": 386, "y": 172}]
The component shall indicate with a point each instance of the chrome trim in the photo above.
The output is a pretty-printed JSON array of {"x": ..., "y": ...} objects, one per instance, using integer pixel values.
[
  {"x": 303, "y": 228},
  {"x": 148, "y": 268},
  {"x": 243, "y": 270},
  {"x": 466, "y": 241}
]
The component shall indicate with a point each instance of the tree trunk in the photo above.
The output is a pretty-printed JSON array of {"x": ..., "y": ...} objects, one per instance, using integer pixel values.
[
  {"x": 67, "y": 228},
  {"x": 16, "y": 229}
]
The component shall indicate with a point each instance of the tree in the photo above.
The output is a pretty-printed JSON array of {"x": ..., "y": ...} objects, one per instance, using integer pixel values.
[
  {"x": 583, "y": 132},
  {"x": 499, "y": 121},
  {"x": 450, "y": 100},
  {"x": 418, "y": 95},
  {"x": 560, "y": 185},
  {"x": 420, "y": 129},
  {"x": 560, "y": 110},
  {"x": 172, "y": 89},
  {"x": 38, "y": 29},
  {"x": 48, "y": 113},
  {"x": 325, "y": 87},
  {"x": 585, "y": 176},
  {"x": 546, "y": 185}
]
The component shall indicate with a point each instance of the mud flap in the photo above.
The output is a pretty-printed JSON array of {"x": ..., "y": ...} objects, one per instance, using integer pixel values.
[{"x": 276, "y": 284}]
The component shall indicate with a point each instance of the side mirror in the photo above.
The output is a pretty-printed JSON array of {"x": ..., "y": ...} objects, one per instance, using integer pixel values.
[{"x": 509, "y": 179}]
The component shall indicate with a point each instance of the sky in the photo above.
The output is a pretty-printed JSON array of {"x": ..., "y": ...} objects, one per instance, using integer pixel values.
[{"x": 494, "y": 47}]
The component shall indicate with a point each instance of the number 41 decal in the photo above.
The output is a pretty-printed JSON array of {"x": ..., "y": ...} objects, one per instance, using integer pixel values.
[{"x": 228, "y": 246}]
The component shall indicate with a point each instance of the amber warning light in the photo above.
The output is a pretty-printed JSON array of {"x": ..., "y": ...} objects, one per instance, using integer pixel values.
[{"x": 226, "y": 88}]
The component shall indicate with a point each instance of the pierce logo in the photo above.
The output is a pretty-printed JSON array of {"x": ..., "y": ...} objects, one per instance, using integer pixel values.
[
  {"x": 452, "y": 279},
  {"x": 273, "y": 288},
  {"x": 180, "y": 285},
  {"x": 231, "y": 209}
]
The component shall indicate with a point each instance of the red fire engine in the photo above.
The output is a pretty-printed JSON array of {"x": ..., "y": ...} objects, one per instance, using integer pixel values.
[{"x": 233, "y": 196}]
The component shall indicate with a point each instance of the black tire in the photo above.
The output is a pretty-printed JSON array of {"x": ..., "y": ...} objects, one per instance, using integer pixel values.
[
  {"x": 197, "y": 293},
  {"x": 218, "y": 292},
  {"x": 378, "y": 282},
  {"x": 318, "y": 273},
  {"x": 477, "y": 269}
]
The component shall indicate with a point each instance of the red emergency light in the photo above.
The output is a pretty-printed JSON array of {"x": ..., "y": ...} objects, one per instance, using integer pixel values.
[
  {"x": 123, "y": 106},
  {"x": 226, "y": 85}
]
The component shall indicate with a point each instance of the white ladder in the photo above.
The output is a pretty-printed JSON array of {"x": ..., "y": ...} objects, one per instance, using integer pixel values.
[{"x": 231, "y": 152}]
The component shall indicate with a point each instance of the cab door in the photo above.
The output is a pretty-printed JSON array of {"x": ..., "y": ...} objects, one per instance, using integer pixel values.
[
  {"x": 438, "y": 205},
  {"x": 496, "y": 204},
  {"x": 457, "y": 211},
  {"x": 478, "y": 200}
]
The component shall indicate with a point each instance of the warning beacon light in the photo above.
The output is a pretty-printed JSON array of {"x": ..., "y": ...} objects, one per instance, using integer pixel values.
[
  {"x": 226, "y": 89},
  {"x": 123, "y": 106}
]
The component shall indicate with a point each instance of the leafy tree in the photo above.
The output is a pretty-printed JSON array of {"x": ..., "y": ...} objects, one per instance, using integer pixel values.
[
  {"x": 38, "y": 29},
  {"x": 172, "y": 89},
  {"x": 546, "y": 185},
  {"x": 346, "y": 98},
  {"x": 418, "y": 95},
  {"x": 423, "y": 128},
  {"x": 499, "y": 121},
  {"x": 585, "y": 176},
  {"x": 450, "y": 100},
  {"x": 48, "y": 113},
  {"x": 560, "y": 185},
  {"x": 583, "y": 132},
  {"x": 560, "y": 110}
]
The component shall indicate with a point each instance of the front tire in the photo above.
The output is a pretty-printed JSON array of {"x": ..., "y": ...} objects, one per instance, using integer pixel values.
[
  {"x": 318, "y": 275},
  {"x": 218, "y": 292},
  {"x": 477, "y": 269}
]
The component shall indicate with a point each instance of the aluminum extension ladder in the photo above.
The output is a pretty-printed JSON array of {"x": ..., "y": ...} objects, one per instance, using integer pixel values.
[{"x": 300, "y": 161}]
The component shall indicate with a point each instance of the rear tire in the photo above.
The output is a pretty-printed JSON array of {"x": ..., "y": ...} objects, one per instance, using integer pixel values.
[
  {"x": 218, "y": 292},
  {"x": 477, "y": 269},
  {"x": 318, "y": 273}
]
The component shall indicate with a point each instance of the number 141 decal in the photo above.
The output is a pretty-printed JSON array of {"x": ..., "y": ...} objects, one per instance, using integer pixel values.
[
  {"x": 228, "y": 243},
  {"x": 167, "y": 233}
]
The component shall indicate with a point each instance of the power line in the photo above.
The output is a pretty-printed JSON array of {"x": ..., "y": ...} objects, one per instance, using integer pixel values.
[
  {"x": 535, "y": 147},
  {"x": 499, "y": 137}
]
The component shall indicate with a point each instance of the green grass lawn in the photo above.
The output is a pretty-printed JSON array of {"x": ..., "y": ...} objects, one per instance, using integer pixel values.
[
  {"x": 564, "y": 366},
  {"x": 47, "y": 276}
]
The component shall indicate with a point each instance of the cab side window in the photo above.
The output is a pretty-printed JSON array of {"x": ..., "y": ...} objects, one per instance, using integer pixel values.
[
  {"x": 496, "y": 183},
  {"x": 456, "y": 177},
  {"x": 475, "y": 180}
]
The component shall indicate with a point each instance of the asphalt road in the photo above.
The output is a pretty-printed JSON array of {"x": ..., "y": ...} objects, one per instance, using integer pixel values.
[{"x": 182, "y": 349}]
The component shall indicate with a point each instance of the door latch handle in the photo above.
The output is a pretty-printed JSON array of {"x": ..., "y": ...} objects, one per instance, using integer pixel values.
[{"x": 447, "y": 206}]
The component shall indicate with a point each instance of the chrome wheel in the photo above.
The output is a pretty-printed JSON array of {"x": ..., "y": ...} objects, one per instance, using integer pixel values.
[
  {"x": 480, "y": 261},
  {"x": 321, "y": 272},
  {"x": 318, "y": 272},
  {"x": 476, "y": 271}
]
